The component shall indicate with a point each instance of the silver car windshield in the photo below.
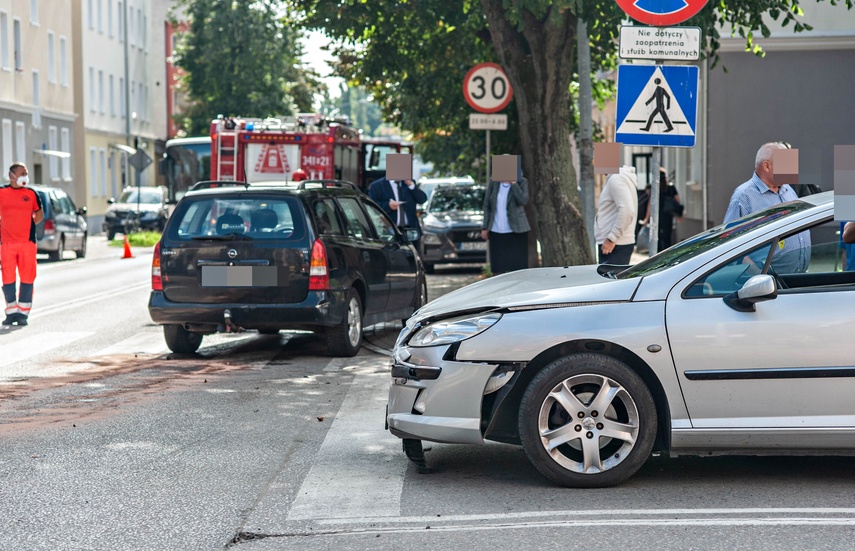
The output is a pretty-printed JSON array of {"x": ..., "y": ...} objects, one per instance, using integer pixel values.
[
  {"x": 458, "y": 198},
  {"x": 148, "y": 196},
  {"x": 712, "y": 238}
]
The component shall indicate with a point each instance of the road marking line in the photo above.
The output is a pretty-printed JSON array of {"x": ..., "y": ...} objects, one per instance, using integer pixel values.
[
  {"x": 17, "y": 350},
  {"x": 49, "y": 310},
  {"x": 522, "y": 515},
  {"x": 141, "y": 343},
  {"x": 373, "y": 458}
]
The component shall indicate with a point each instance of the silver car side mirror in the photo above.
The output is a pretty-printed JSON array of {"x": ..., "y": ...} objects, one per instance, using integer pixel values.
[
  {"x": 757, "y": 289},
  {"x": 411, "y": 235}
]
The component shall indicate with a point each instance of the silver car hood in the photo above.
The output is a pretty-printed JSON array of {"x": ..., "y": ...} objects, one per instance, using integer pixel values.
[{"x": 533, "y": 287}]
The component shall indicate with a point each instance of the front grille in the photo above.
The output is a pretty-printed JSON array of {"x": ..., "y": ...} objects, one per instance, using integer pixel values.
[{"x": 461, "y": 236}]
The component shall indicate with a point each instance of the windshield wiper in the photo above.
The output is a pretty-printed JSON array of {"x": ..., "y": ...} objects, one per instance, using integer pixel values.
[{"x": 229, "y": 237}]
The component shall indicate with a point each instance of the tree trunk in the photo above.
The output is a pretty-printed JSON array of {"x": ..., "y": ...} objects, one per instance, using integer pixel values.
[{"x": 538, "y": 62}]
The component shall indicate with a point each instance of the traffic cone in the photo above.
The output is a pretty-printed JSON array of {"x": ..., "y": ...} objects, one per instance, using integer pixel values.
[{"x": 128, "y": 253}]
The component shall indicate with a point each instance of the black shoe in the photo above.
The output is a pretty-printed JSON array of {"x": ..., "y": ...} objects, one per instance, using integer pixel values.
[
  {"x": 21, "y": 320},
  {"x": 10, "y": 319}
]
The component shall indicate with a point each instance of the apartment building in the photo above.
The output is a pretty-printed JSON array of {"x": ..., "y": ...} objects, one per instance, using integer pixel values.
[
  {"x": 37, "y": 79},
  {"x": 119, "y": 95}
]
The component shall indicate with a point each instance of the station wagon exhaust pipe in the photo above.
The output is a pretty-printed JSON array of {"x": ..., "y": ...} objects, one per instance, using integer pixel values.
[{"x": 230, "y": 326}]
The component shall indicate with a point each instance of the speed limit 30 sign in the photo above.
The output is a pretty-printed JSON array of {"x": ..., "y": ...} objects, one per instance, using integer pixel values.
[{"x": 487, "y": 88}]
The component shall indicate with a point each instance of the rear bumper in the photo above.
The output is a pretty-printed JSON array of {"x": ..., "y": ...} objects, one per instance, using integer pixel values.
[{"x": 319, "y": 309}]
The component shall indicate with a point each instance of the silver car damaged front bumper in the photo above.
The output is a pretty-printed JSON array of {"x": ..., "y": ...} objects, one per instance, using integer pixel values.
[{"x": 435, "y": 399}]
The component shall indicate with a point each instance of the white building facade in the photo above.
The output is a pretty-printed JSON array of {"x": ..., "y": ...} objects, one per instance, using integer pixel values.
[{"x": 37, "y": 77}]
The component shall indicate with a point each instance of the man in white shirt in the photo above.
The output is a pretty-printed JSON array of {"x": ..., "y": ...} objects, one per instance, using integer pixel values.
[{"x": 614, "y": 226}]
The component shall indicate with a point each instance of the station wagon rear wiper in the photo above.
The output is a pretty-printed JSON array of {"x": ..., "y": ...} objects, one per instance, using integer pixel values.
[{"x": 229, "y": 237}]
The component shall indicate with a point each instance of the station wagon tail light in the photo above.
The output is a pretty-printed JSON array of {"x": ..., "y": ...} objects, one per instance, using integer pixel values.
[
  {"x": 156, "y": 279},
  {"x": 50, "y": 227},
  {"x": 319, "y": 274}
]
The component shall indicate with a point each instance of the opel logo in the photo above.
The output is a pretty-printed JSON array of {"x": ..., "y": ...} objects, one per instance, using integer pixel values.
[
  {"x": 474, "y": 235},
  {"x": 232, "y": 253}
]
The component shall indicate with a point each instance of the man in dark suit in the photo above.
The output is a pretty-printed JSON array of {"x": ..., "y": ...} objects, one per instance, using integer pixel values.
[{"x": 399, "y": 199}]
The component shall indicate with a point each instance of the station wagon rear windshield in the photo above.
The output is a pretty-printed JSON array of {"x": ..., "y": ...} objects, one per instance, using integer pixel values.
[
  {"x": 238, "y": 217},
  {"x": 712, "y": 238}
]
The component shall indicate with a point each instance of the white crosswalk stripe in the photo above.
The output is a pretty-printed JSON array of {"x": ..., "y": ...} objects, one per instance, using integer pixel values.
[
  {"x": 375, "y": 464},
  {"x": 17, "y": 351},
  {"x": 142, "y": 343}
]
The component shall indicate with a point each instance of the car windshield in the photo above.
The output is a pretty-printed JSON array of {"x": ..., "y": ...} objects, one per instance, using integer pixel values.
[
  {"x": 148, "y": 196},
  {"x": 457, "y": 198},
  {"x": 712, "y": 238},
  {"x": 237, "y": 217}
]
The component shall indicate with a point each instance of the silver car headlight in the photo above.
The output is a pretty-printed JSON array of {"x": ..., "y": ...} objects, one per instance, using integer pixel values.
[{"x": 453, "y": 330}]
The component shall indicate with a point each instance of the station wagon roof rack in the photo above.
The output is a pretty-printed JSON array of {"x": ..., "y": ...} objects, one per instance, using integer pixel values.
[
  {"x": 212, "y": 184},
  {"x": 305, "y": 184}
]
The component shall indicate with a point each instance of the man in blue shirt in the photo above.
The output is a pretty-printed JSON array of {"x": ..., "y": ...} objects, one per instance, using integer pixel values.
[{"x": 792, "y": 254}]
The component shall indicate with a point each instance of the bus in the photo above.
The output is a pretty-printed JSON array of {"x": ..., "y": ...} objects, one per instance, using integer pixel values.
[{"x": 185, "y": 162}]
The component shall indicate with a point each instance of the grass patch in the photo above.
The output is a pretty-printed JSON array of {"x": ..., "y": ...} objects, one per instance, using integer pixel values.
[{"x": 139, "y": 239}]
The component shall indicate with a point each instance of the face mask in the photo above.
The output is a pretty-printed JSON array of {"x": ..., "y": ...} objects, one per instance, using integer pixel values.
[{"x": 23, "y": 180}]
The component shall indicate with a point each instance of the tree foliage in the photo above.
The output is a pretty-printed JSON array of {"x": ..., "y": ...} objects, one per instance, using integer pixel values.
[
  {"x": 241, "y": 58},
  {"x": 412, "y": 56}
]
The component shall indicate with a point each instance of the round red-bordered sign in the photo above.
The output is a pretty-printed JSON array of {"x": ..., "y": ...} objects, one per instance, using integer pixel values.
[
  {"x": 487, "y": 89},
  {"x": 661, "y": 13}
]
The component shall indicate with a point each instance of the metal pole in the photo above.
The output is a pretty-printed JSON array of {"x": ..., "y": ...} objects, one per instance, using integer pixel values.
[
  {"x": 488, "y": 157},
  {"x": 586, "y": 133},
  {"x": 653, "y": 223},
  {"x": 127, "y": 88}
]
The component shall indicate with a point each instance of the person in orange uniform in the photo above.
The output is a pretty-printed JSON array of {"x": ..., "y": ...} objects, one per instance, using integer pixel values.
[{"x": 20, "y": 211}]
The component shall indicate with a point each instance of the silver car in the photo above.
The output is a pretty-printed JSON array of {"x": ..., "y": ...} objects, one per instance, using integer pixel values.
[{"x": 735, "y": 341}]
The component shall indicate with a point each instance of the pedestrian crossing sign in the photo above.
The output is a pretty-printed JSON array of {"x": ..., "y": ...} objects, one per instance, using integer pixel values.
[{"x": 657, "y": 105}]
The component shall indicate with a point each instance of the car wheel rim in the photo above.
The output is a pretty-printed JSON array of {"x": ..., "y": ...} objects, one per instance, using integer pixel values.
[
  {"x": 354, "y": 322},
  {"x": 588, "y": 423}
]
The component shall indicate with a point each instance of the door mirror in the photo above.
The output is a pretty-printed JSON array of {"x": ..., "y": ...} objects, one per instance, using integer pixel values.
[
  {"x": 757, "y": 289},
  {"x": 81, "y": 211},
  {"x": 110, "y": 201},
  {"x": 411, "y": 235}
]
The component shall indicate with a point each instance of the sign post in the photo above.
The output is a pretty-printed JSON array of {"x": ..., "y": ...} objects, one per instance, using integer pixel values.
[{"x": 487, "y": 89}]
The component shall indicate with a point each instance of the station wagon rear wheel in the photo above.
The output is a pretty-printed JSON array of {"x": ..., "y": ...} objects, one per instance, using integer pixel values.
[
  {"x": 345, "y": 339},
  {"x": 180, "y": 340},
  {"x": 587, "y": 421}
]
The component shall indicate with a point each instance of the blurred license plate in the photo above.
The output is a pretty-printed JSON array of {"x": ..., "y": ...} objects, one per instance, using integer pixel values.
[
  {"x": 241, "y": 276},
  {"x": 473, "y": 246}
]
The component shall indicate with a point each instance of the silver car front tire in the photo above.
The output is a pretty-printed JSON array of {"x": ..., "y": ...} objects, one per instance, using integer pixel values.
[{"x": 587, "y": 421}]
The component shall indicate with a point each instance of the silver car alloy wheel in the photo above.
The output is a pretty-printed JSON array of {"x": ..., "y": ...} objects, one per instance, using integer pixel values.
[
  {"x": 354, "y": 322},
  {"x": 588, "y": 423}
]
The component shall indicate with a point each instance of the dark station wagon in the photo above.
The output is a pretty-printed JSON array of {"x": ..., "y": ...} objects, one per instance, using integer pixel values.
[{"x": 314, "y": 255}]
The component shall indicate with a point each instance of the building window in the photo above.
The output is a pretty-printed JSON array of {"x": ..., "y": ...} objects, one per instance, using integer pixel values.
[
  {"x": 141, "y": 102},
  {"x": 7, "y": 144},
  {"x": 37, "y": 114},
  {"x": 51, "y": 56},
  {"x": 141, "y": 30},
  {"x": 100, "y": 16},
  {"x": 63, "y": 61},
  {"x": 91, "y": 14},
  {"x": 133, "y": 101},
  {"x": 92, "y": 89},
  {"x": 52, "y": 162},
  {"x": 19, "y": 55},
  {"x": 34, "y": 12},
  {"x": 101, "y": 105},
  {"x": 4, "y": 40},
  {"x": 122, "y": 110},
  {"x": 93, "y": 172},
  {"x": 131, "y": 39},
  {"x": 110, "y": 18},
  {"x": 20, "y": 142},
  {"x": 120, "y": 22},
  {"x": 65, "y": 145},
  {"x": 102, "y": 155},
  {"x": 111, "y": 163},
  {"x": 112, "y": 98}
]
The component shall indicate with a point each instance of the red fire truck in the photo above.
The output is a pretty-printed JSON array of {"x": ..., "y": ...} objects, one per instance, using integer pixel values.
[{"x": 258, "y": 150}]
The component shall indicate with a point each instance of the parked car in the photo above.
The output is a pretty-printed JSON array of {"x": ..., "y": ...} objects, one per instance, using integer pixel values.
[
  {"x": 452, "y": 226},
  {"x": 315, "y": 255},
  {"x": 709, "y": 347},
  {"x": 428, "y": 185},
  {"x": 64, "y": 227},
  {"x": 153, "y": 210}
]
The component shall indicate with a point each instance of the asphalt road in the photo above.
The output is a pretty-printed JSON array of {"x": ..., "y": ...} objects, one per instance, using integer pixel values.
[{"x": 107, "y": 441}]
